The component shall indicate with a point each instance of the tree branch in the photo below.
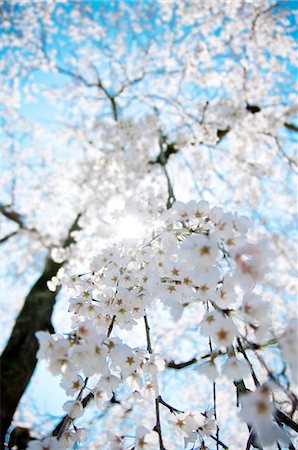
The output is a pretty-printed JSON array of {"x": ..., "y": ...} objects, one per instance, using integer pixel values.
[
  {"x": 291, "y": 126},
  {"x": 182, "y": 365},
  {"x": 12, "y": 215},
  {"x": 97, "y": 84},
  {"x": 170, "y": 408},
  {"x": 15, "y": 217},
  {"x": 8, "y": 236}
]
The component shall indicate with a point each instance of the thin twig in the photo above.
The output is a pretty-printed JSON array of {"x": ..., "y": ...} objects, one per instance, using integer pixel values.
[
  {"x": 214, "y": 395},
  {"x": 219, "y": 442},
  {"x": 147, "y": 328},
  {"x": 170, "y": 407},
  {"x": 214, "y": 402},
  {"x": 253, "y": 374},
  {"x": 171, "y": 195},
  {"x": 110, "y": 329},
  {"x": 8, "y": 236},
  {"x": 67, "y": 420},
  {"x": 182, "y": 365},
  {"x": 157, "y": 427}
]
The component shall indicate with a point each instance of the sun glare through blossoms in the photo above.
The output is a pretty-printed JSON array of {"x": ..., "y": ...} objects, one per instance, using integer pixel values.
[
  {"x": 149, "y": 225},
  {"x": 130, "y": 228}
]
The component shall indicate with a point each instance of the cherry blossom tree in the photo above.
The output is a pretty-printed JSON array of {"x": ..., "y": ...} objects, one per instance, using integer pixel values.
[{"x": 149, "y": 187}]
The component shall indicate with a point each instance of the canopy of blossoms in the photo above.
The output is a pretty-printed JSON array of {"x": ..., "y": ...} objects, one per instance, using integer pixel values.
[{"x": 153, "y": 186}]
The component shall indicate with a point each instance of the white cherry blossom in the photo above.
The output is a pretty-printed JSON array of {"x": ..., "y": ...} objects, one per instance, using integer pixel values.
[{"x": 74, "y": 408}]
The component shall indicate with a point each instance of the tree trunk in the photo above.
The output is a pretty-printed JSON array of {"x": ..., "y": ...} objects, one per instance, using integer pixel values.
[{"x": 18, "y": 359}]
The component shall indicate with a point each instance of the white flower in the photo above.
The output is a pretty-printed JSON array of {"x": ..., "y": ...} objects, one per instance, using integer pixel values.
[
  {"x": 70, "y": 437},
  {"x": 182, "y": 211},
  {"x": 224, "y": 226},
  {"x": 179, "y": 423},
  {"x": 252, "y": 261},
  {"x": 108, "y": 383},
  {"x": 79, "y": 354},
  {"x": 115, "y": 442},
  {"x": 59, "y": 357},
  {"x": 72, "y": 384},
  {"x": 254, "y": 308},
  {"x": 209, "y": 322},
  {"x": 101, "y": 397},
  {"x": 200, "y": 209},
  {"x": 224, "y": 332},
  {"x": 225, "y": 295},
  {"x": 134, "y": 381},
  {"x": 199, "y": 250},
  {"x": 208, "y": 369},
  {"x": 168, "y": 244},
  {"x": 220, "y": 328},
  {"x": 98, "y": 358},
  {"x": 206, "y": 281},
  {"x": 145, "y": 439},
  {"x": 154, "y": 364},
  {"x": 76, "y": 305},
  {"x": 173, "y": 270},
  {"x": 268, "y": 434},
  {"x": 208, "y": 427},
  {"x": 86, "y": 292},
  {"x": 235, "y": 369},
  {"x": 241, "y": 223},
  {"x": 73, "y": 408},
  {"x": 86, "y": 331},
  {"x": 46, "y": 344},
  {"x": 59, "y": 254},
  {"x": 150, "y": 389},
  {"x": 257, "y": 409},
  {"x": 193, "y": 420},
  {"x": 53, "y": 283},
  {"x": 124, "y": 358}
]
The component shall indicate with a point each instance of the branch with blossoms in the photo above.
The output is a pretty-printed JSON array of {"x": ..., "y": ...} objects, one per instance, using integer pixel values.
[
  {"x": 118, "y": 290},
  {"x": 75, "y": 408},
  {"x": 198, "y": 255}
]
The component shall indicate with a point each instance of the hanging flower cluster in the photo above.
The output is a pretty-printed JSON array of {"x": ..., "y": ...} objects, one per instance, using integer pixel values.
[{"x": 196, "y": 254}]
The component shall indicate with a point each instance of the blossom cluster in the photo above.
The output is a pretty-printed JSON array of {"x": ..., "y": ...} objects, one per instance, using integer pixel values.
[{"x": 195, "y": 254}]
